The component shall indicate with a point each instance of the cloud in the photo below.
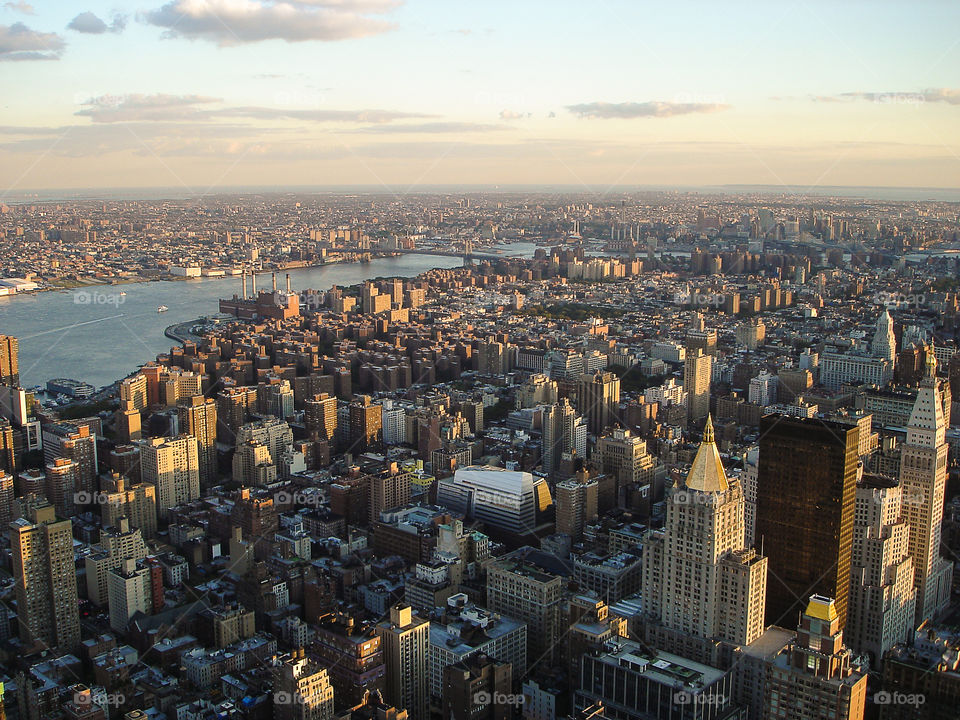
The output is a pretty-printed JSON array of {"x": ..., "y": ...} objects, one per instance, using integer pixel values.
[
  {"x": 21, "y": 7},
  {"x": 18, "y": 42},
  {"x": 431, "y": 128},
  {"x": 630, "y": 110},
  {"x": 317, "y": 115},
  {"x": 236, "y": 22},
  {"x": 137, "y": 107},
  {"x": 950, "y": 96},
  {"x": 89, "y": 24},
  {"x": 512, "y": 115},
  {"x": 161, "y": 107},
  {"x": 146, "y": 138}
]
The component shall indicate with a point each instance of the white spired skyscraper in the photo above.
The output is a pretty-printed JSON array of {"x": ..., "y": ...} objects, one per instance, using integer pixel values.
[
  {"x": 884, "y": 343},
  {"x": 700, "y": 580},
  {"x": 923, "y": 479}
]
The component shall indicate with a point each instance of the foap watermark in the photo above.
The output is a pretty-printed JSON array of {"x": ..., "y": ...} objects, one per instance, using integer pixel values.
[
  {"x": 682, "y": 697},
  {"x": 699, "y": 300},
  {"x": 88, "y": 498},
  {"x": 312, "y": 301},
  {"x": 898, "y": 698},
  {"x": 497, "y": 698},
  {"x": 298, "y": 498},
  {"x": 95, "y": 297},
  {"x": 685, "y": 497},
  {"x": 899, "y": 98},
  {"x": 900, "y": 300},
  {"x": 286, "y": 698},
  {"x": 95, "y": 697}
]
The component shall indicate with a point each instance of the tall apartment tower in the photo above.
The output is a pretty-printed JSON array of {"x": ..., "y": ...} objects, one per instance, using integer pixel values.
[
  {"x": 884, "y": 343},
  {"x": 172, "y": 465},
  {"x": 813, "y": 678},
  {"x": 117, "y": 544},
  {"x": 198, "y": 417},
  {"x": 234, "y": 404},
  {"x": 388, "y": 489},
  {"x": 405, "y": 639},
  {"x": 366, "y": 424},
  {"x": 7, "y": 498},
  {"x": 696, "y": 383},
  {"x": 9, "y": 360},
  {"x": 518, "y": 588},
  {"x": 576, "y": 505},
  {"x": 560, "y": 435},
  {"x": 699, "y": 577},
  {"x": 320, "y": 416},
  {"x": 598, "y": 396},
  {"x": 806, "y": 492},
  {"x": 46, "y": 581},
  {"x": 882, "y": 596},
  {"x": 302, "y": 690},
  {"x": 624, "y": 456},
  {"x": 923, "y": 478},
  {"x": 134, "y": 390},
  {"x": 121, "y": 497},
  {"x": 129, "y": 591}
]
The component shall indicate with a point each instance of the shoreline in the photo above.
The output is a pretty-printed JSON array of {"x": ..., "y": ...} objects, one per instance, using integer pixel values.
[{"x": 79, "y": 285}]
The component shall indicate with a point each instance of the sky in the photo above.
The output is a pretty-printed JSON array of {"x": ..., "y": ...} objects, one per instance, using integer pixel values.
[{"x": 209, "y": 94}]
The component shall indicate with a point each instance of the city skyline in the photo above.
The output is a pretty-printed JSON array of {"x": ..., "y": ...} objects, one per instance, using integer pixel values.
[{"x": 208, "y": 94}]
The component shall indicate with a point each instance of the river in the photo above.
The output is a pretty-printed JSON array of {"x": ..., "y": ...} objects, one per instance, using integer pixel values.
[{"x": 96, "y": 335}]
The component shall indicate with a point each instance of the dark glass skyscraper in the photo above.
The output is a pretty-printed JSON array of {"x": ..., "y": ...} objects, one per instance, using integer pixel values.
[{"x": 806, "y": 492}]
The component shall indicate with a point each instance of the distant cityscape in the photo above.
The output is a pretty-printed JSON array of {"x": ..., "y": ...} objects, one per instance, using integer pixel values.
[{"x": 649, "y": 456}]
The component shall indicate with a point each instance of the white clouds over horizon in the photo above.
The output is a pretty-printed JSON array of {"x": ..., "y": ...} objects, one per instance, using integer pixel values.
[
  {"x": 237, "y": 22},
  {"x": 632, "y": 110},
  {"x": 20, "y": 43}
]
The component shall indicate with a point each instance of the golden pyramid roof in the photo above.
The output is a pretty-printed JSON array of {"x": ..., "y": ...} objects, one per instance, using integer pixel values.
[{"x": 707, "y": 474}]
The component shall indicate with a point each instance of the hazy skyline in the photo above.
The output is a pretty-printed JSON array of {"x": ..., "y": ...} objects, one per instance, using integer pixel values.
[{"x": 201, "y": 94}]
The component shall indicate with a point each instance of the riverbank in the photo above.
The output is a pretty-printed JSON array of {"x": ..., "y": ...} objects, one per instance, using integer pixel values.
[
  {"x": 181, "y": 331},
  {"x": 99, "y": 335}
]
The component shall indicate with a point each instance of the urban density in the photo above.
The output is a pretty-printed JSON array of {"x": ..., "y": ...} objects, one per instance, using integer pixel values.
[
  {"x": 431, "y": 360},
  {"x": 687, "y": 456}
]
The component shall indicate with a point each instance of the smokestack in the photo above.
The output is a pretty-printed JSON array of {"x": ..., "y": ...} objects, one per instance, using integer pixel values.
[
  {"x": 253, "y": 289},
  {"x": 273, "y": 277},
  {"x": 243, "y": 284},
  {"x": 288, "y": 282}
]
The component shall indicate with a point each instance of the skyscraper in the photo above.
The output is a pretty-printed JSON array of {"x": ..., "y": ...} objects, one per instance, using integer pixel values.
[
  {"x": 598, "y": 396},
  {"x": 923, "y": 478},
  {"x": 405, "y": 639},
  {"x": 517, "y": 587},
  {"x": 320, "y": 416},
  {"x": 884, "y": 343},
  {"x": 198, "y": 417},
  {"x": 122, "y": 497},
  {"x": 172, "y": 465},
  {"x": 624, "y": 456},
  {"x": 46, "y": 582},
  {"x": 129, "y": 591},
  {"x": 696, "y": 383},
  {"x": 576, "y": 505},
  {"x": 366, "y": 424},
  {"x": 9, "y": 360},
  {"x": 699, "y": 578},
  {"x": 806, "y": 491},
  {"x": 882, "y": 596},
  {"x": 560, "y": 425}
]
